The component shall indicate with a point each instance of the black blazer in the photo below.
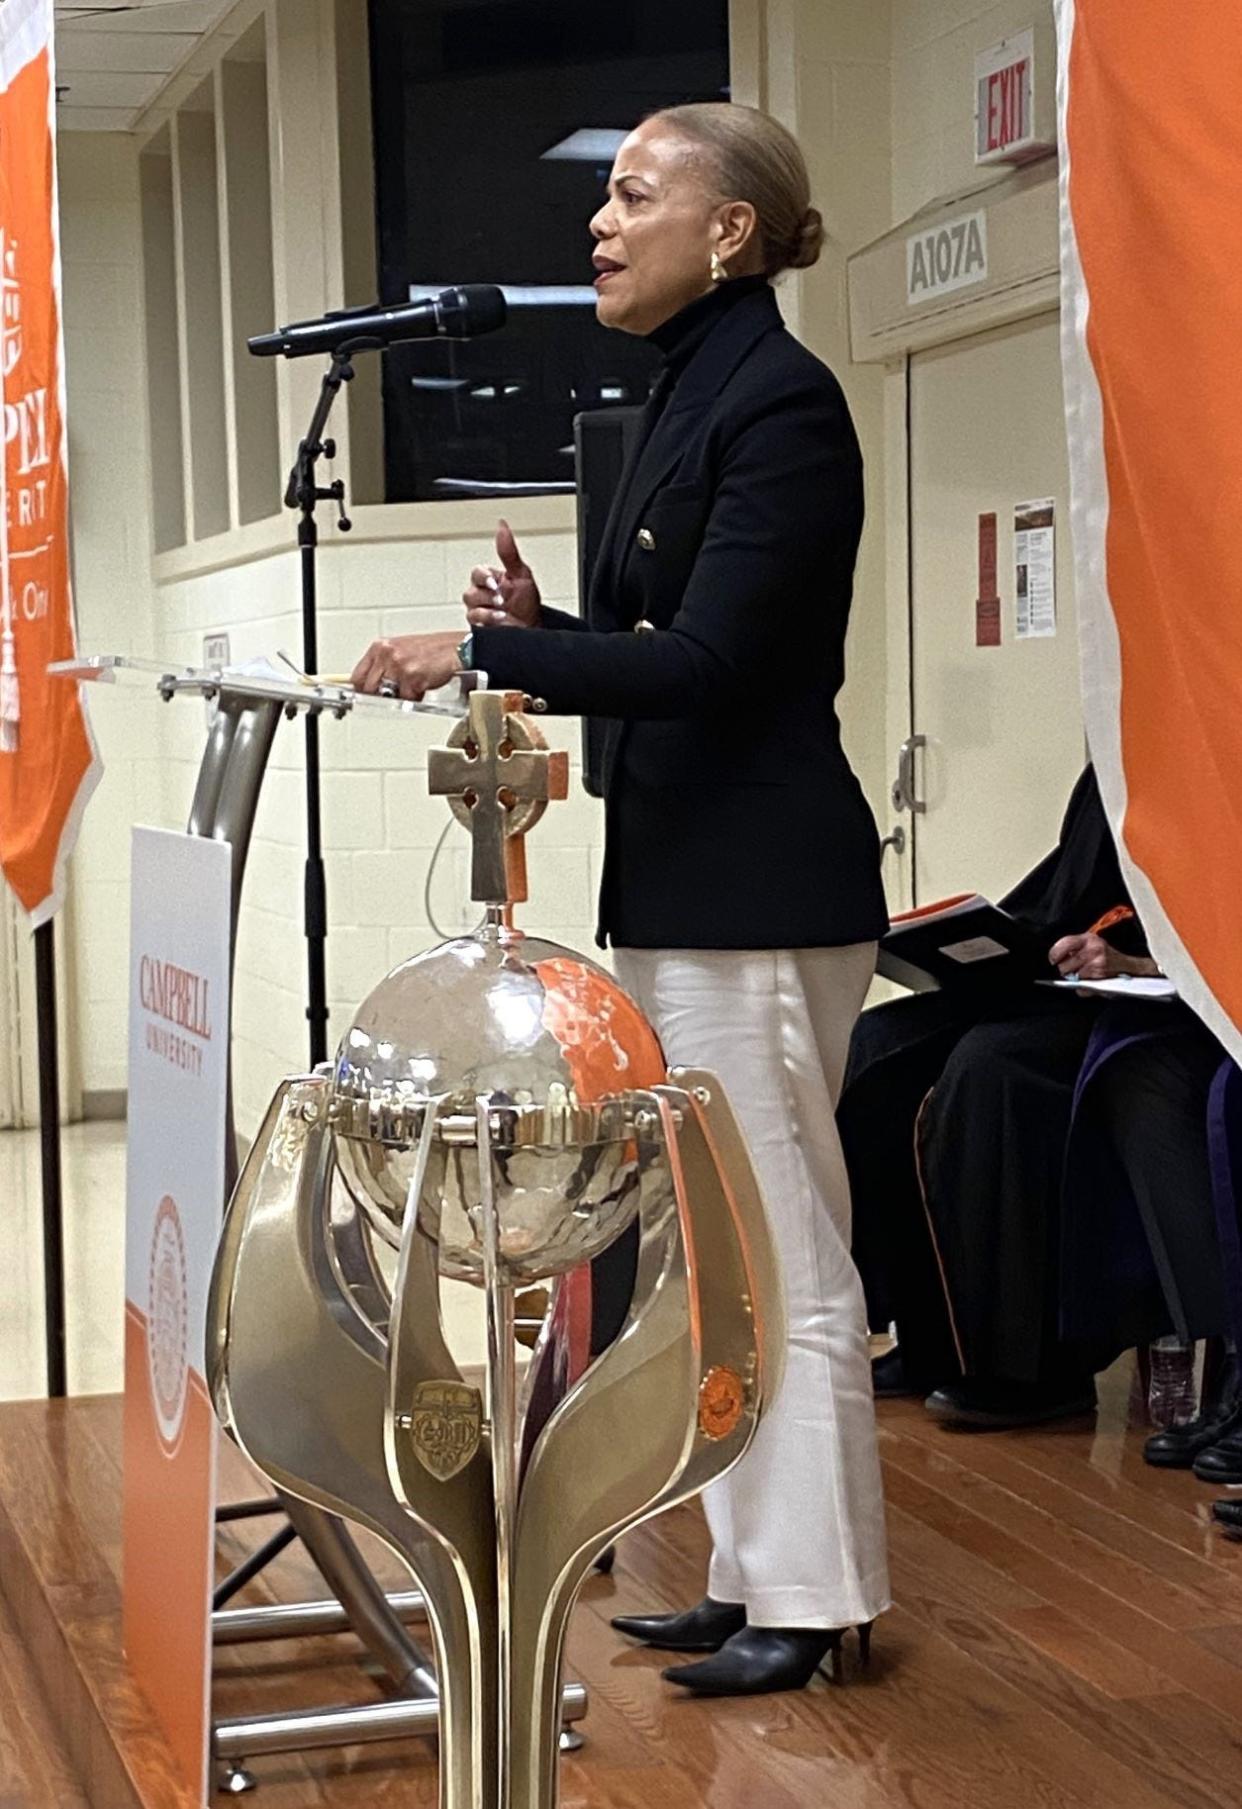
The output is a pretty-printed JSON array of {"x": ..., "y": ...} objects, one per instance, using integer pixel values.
[{"x": 718, "y": 612}]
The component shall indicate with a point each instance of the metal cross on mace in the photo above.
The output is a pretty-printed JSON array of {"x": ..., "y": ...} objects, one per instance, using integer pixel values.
[{"x": 499, "y": 777}]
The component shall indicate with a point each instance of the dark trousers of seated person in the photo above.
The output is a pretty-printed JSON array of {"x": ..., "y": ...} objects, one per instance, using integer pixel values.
[
  {"x": 954, "y": 1123},
  {"x": 1146, "y": 1109}
]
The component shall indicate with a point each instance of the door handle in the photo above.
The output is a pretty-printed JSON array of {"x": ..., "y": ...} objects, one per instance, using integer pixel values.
[
  {"x": 896, "y": 841},
  {"x": 904, "y": 795}
]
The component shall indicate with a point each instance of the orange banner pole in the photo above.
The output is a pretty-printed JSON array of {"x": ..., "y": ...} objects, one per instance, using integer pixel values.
[
  {"x": 48, "y": 764},
  {"x": 10, "y": 697}
]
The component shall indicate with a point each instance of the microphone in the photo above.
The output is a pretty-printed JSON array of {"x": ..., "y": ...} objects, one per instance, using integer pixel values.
[{"x": 461, "y": 313}]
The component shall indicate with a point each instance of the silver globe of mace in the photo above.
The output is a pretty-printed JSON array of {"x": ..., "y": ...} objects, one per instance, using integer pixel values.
[{"x": 499, "y": 1112}]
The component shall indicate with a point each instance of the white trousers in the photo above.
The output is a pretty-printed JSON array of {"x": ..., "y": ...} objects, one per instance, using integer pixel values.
[{"x": 798, "y": 1525}]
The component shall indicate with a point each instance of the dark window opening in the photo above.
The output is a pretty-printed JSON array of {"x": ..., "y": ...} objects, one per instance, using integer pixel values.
[{"x": 470, "y": 97}]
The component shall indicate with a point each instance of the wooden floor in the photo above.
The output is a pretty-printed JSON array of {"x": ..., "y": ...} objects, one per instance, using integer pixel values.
[{"x": 1068, "y": 1632}]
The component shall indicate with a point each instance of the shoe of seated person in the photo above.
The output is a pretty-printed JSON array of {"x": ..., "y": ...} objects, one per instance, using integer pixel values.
[
  {"x": 1221, "y": 1462},
  {"x": 1228, "y": 1514},
  {"x": 889, "y": 1378},
  {"x": 1177, "y": 1447},
  {"x": 995, "y": 1406}
]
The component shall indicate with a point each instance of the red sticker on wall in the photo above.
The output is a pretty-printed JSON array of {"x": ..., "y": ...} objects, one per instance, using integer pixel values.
[
  {"x": 987, "y": 605},
  {"x": 987, "y": 622},
  {"x": 987, "y": 556}
]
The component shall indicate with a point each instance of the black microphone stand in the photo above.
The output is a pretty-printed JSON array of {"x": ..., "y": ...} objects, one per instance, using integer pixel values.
[{"x": 303, "y": 493}]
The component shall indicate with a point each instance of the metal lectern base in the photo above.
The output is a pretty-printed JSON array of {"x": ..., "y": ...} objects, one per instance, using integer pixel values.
[
  {"x": 303, "y": 1620},
  {"x": 235, "y": 1780},
  {"x": 245, "y": 1737}
]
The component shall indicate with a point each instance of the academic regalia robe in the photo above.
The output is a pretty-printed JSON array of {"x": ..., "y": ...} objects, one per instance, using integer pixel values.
[
  {"x": 1150, "y": 1194},
  {"x": 1225, "y": 1159},
  {"x": 954, "y": 1122}
]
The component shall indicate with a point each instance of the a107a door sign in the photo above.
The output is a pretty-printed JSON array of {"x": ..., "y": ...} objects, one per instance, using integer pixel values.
[{"x": 951, "y": 255}]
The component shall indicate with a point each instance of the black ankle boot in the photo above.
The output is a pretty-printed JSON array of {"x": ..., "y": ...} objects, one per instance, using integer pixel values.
[
  {"x": 1228, "y": 1514},
  {"x": 760, "y": 1661},
  {"x": 701, "y": 1629},
  {"x": 1177, "y": 1447},
  {"x": 1222, "y": 1461}
]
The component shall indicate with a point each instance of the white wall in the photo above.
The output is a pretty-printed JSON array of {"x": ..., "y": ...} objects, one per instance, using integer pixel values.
[
  {"x": 934, "y": 43},
  {"x": 379, "y": 825},
  {"x": 109, "y": 487},
  {"x": 832, "y": 61}
]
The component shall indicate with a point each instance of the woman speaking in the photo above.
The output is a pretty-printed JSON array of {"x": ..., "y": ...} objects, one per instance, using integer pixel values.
[{"x": 741, "y": 887}]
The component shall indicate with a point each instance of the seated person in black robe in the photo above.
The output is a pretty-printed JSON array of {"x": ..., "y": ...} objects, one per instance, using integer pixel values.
[
  {"x": 1151, "y": 1200},
  {"x": 954, "y": 1122}
]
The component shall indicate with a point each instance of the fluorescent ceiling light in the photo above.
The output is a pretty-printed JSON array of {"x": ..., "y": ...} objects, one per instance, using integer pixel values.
[{"x": 589, "y": 144}]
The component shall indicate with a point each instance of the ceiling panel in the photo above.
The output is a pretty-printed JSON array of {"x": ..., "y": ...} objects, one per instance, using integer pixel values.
[
  {"x": 89, "y": 88},
  {"x": 94, "y": 119},
  {"x": 121, "y": 52},
  {"x": 114, "y": 57},
  {"x": 155, "y": 15}
]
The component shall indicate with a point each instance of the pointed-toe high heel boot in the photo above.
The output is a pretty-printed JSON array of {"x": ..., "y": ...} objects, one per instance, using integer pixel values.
[
  {"x": 701, "y": 1629},
  {"x": 760, "y": 1661}
]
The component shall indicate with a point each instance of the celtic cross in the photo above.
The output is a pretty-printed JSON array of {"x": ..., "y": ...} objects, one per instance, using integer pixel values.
[{"x": 499, "y": 777}]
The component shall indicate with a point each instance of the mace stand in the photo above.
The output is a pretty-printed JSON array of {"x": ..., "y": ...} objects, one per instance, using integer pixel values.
[
  {"x": 224, "y": 806},
  {"x": 382, "y": 1427},
  {"x": 499, "y": 1113},
  {"x": 225, "y": 803}
]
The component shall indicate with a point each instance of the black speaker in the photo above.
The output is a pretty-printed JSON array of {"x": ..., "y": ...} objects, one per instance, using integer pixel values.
[{"x": 603, "y": 441}]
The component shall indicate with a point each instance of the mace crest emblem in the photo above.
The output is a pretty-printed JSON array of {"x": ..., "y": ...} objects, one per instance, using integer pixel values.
[{"x": 446, "y": 1424}]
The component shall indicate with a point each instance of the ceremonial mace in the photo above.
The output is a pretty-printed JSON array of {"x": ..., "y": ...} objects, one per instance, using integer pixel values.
[{"x": 498, "y": 1112}]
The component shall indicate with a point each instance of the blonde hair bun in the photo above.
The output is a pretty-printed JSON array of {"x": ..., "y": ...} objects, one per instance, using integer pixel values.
[
  {"x": 752, "y": 157},
  {"x": 809, "y": 243}
]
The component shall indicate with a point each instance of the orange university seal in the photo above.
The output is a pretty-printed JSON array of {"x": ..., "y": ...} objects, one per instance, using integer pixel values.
[{"x": 722, "y": 1396}]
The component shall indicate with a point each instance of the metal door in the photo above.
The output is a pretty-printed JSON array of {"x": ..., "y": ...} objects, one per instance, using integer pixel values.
[{"x": 996, "y": 737}]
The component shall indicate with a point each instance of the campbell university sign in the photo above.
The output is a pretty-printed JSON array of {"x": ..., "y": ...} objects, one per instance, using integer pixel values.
[{"x": 175, "y": 996}]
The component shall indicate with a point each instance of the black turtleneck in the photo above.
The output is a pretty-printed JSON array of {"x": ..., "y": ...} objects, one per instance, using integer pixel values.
[{"x": 680, "y": 338}]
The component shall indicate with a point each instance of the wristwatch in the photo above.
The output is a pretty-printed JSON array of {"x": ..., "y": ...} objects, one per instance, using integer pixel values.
[{"x": 465, "y": 653}]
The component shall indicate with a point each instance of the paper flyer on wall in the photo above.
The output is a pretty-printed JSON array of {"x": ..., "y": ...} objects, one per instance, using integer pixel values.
[{"x": 1035, "y": 569}]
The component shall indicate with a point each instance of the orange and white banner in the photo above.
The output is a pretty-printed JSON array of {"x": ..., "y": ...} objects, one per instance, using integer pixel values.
[
  {"x": 178, "y": 1085},
  {"x": 1151, "y": 274},
  {"x": 48, "y": 765}
]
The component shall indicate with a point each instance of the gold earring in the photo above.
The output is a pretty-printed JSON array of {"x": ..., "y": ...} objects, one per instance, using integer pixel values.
[{"x": 719, "y": 273}]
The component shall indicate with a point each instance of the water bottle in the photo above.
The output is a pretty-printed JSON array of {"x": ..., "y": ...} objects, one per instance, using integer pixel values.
[{"x": 1172, "y": 1398}]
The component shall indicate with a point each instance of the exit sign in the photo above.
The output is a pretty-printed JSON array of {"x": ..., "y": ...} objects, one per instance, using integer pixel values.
[{"x": 1005, "y": 101}]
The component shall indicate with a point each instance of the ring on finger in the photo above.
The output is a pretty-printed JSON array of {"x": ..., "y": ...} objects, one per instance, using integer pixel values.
[{"x": 388, "y": 687}]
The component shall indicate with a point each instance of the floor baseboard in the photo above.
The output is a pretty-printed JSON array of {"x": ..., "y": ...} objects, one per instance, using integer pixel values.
[{"x": 108, "y": 1105}]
